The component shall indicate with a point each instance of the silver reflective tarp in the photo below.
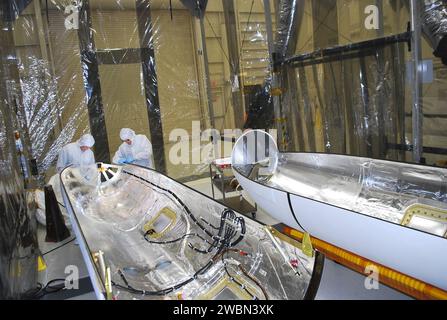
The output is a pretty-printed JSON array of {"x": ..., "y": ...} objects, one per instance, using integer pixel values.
[
  {"x": 434, "y": 24},
  {"x": 377, "y": 188}
]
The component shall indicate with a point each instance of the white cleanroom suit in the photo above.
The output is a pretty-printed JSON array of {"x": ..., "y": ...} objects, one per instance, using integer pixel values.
[
  {"x": 138, "y": 151},
  {"x": 71, "y": 154}
]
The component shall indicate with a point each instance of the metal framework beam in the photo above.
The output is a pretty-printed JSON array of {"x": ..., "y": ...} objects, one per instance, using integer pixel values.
[
  {"x": 151, "y": 82},
  {"x": 417, "y": 106},
  {"x": 348, "y": 51},
  {"x": 207, "y": 74},
  {"x": 233, "y": 56},
  {"x": 92, "y": 84}
]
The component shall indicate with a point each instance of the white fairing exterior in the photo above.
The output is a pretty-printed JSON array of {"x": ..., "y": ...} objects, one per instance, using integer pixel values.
[
  {"x": 273, "y": 201},
  {"x": 412, "y": 252},
  {"x": 358, "y": 204}
]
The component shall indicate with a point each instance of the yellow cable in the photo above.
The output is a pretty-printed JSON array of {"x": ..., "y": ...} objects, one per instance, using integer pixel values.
[{"x": 389, "y": 277}]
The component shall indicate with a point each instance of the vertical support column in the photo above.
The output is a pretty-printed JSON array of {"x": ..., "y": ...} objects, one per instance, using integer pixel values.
[
  {"x": 417, "y": 114},
  {"x": 151, "y": 82},
  {"x": 198, "y": 63},
  {"x": 233, "y": 54},
  {"x": 40, "y": 30},
  {"x": 92, "y": 84},
  {"x": 207, "y": 72}
]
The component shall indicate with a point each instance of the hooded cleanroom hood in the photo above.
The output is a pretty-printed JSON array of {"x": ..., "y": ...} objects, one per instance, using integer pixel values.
[
  {"x": 86, "y": 140},
  {"x": 127, "y": 133}
]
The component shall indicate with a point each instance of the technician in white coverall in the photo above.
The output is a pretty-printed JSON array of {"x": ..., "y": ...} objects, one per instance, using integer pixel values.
[
  {"x": 78, "y": 153},
  {"x": 136, "y": 149}
]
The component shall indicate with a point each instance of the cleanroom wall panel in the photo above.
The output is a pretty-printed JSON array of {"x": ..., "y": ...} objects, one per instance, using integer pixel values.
[
  {"x": 114, "y": 26},
  {"x": 305, "y": 41},
  {"x": 122, "y": 87},
  {"x": 18, "y": 254},
  {"x": 68, "y": 79},
  {"x": 115, "y": 29},
  {"x": 178, "y": 84},
  {"x": 347, "y": 114},
  {"x": 123, "y": 100},
  {"x": 319, "y": 93},
  {"x": 220, "y": 71},
  {"x": 177, "y": 81}
]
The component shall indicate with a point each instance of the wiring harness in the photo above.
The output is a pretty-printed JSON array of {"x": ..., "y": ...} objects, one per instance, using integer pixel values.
[{"x": 227, "y": 237}]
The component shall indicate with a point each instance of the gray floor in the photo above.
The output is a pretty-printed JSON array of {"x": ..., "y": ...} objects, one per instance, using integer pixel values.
[
  {"x": 204, "y": 186},
  {"x": 337, "y": 283},
  {"x": 340, "y": 283},
  {"x": 60, "y": 263}
]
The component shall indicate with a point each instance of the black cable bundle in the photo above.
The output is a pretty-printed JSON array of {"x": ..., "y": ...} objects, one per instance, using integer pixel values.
[
  {"x": 226, "y": 232},
  {"x": 221, "y": 242},
  {"x": 41, "y": 291}
]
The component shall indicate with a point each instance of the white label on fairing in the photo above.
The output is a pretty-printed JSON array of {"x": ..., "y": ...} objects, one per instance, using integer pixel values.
[{"x": 262, "y": 272}]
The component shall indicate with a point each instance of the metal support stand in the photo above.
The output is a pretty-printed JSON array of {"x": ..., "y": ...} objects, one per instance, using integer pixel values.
[
  {"x": 207, "y": 74},
  {"x": 92, "y": 84}
]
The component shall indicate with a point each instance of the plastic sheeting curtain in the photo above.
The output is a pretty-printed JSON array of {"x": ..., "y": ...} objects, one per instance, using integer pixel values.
[
  {"x": 98, "y": 66},
  {"x": 350, "y": 105},
  {"x": 18, "y": 262}
]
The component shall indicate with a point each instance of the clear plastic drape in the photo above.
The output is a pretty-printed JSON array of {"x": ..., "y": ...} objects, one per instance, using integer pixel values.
[
  {"x": 18, "y": 261},
  {"x": 359, "y": 102}
]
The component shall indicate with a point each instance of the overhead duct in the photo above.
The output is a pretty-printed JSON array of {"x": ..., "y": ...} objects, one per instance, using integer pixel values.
[
  {"x": 290, "y": 12},
  {"x": 434, "y": 25}
]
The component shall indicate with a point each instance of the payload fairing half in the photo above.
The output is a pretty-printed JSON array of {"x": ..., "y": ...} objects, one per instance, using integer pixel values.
[
  {"x": 146, "y": 236},
  {"x": 389, "y": 212}
]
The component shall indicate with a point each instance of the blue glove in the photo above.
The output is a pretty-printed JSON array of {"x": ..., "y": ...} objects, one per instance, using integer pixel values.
[{"x": 129, "y": 160}]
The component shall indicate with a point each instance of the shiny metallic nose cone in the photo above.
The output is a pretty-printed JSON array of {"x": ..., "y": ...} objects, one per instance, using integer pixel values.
[{"x": 255, "y": 155}]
